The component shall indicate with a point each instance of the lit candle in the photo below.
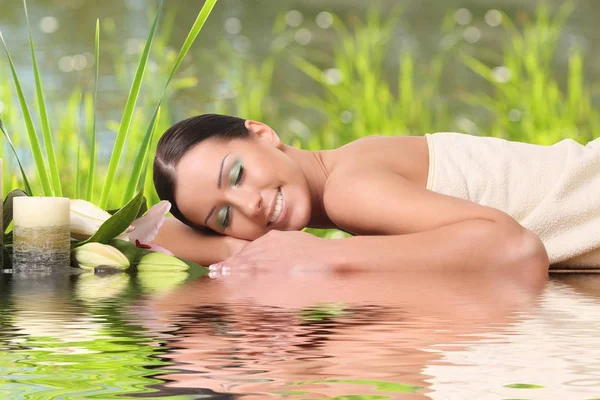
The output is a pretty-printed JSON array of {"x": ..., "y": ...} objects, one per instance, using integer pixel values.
[{"x": 41, "y": 233}]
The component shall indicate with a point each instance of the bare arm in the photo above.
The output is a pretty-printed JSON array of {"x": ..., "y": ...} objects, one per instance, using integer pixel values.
[
  {"x": 195, "y": 246},
  {"x": 421, "y": 229}
]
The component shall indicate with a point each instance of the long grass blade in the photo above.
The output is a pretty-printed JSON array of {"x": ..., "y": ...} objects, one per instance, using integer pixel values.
[
  {"x": 34, "y": 142},
  {"x": 128, "y": 114},
  {"x": 56, "y": 186},
  {"x": 92, "y": 169},
  {"x": 187, "y": 44},
  {"x": 78, "y": 173},
  {"x": 23, "y": 175},
  {"x": 192, "y": 35},
  {"x": 140, "y": 160}
]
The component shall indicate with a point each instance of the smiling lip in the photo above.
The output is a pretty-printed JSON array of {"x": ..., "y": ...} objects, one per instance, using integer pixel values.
[{"x": 273, "y": 205}]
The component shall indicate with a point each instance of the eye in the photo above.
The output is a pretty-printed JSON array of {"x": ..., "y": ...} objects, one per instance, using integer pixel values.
[
  {"x": 223, "y": 216},
  {"x": 236, "y": 173}
]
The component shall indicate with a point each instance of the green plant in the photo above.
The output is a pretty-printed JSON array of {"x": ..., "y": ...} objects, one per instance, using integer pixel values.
[
  {"x": 48, "y": 160},
  {"x": 359, "y": 99},
  {"x": 525, "y": 101}
]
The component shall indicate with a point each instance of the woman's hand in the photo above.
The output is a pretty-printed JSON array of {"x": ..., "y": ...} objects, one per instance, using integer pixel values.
[{"x": 280, "y": 251}]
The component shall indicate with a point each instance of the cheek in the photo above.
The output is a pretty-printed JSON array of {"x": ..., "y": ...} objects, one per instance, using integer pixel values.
[
  {"x": 246, "y": 229},
  {"x": 268, "y": 172}
]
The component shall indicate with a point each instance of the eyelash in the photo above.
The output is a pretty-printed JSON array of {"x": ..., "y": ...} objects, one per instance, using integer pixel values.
[
  {"x": 239, "y": 176},
  {"x": 227, "y": 217},
  {"x": 237, "y": 181}
]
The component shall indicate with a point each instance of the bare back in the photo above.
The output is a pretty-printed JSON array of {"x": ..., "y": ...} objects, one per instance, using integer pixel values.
[{"x": 406, "y": 156}]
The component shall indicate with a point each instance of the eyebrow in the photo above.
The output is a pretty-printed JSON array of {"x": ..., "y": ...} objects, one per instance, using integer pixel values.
[{"x": 219, "y": 179}]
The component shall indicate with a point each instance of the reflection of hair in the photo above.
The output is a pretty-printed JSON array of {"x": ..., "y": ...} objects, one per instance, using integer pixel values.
[{"x": 182, "y": 137}]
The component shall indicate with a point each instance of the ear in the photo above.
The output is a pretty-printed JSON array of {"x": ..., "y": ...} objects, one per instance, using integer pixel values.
[{"x": 263, "y": 132}]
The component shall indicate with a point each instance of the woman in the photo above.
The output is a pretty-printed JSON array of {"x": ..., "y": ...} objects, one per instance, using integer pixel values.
[{"x": 411, "y": 202}]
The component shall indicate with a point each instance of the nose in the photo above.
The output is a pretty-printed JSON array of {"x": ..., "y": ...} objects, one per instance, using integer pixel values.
[{"x": 249, "y": 202}]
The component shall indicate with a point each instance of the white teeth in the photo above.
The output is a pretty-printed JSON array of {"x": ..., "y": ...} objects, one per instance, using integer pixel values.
[{"x": 278, "y": 207}]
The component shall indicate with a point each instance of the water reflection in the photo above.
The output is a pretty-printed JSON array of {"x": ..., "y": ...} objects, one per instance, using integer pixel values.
[
  {"x": 327, "y": 336},
  {"x": 53, "y": 344},
  {"x": 311, "y": 336}
]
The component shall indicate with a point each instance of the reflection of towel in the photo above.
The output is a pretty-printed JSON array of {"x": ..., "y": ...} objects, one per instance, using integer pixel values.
[
  {"x": 542, "y": 345},
  {"x": 554, "y": 191}
]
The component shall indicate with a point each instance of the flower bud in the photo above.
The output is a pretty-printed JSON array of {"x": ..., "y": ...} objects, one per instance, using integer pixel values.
[
  {"x": 161, "y": 281},
  {"x": 86, "y": 218},
  {"x": 156, "y": 261},
  {"x": 91, "y": 287},
  {"x": 90, "y": 255}
]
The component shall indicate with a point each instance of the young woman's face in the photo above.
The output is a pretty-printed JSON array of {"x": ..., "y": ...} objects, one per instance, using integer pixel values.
[{"x": 243, "y": 187}]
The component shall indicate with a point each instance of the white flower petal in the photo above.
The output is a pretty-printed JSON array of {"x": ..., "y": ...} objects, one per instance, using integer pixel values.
[
  {"x": 86, "y": 218},
  {"x": 147, "y": 226}
]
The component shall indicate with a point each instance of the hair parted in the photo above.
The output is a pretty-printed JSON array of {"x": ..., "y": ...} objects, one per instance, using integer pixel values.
[{"x": 181, "y": 138}]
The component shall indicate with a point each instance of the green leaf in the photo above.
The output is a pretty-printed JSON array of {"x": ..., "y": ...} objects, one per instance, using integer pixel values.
[
  {"x": 43, "y": 113},
  {"x": 381, "y": 386},
  {"x": 130, "y": 250},
  {"x": 137, "y": 177},
  {"x": 523, "y": 386},
  {"x": 34, "y": 142},
  {"x": 140, "y": 160},
  {"x": 192, "y": 35},
  {"x": 190, "y": 264},
  {"x": 164, "y": 262},
  {"x": 91, "y": 172},
  {"x": 23, "y": 175},
  {"x": 142, "y": 211},
  {"x": 77, "y": 172},
  {"x": 118, "y": 223},
  {"x": 128, "y": 114},
  {"x": 7, "y": 208}
]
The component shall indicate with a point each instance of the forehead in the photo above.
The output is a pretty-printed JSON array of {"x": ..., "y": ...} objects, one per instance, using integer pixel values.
[{"x": 196, "y": 178}]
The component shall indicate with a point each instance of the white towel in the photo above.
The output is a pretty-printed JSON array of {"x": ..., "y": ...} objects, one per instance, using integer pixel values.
[{"x": 554, "y": 191}]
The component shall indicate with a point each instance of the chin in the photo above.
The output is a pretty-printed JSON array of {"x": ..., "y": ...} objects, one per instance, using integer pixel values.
[{"x": 299, "y": 222}]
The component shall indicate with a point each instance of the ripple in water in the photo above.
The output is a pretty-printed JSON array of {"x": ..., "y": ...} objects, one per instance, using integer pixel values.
[{"x": 303, "y": 337}]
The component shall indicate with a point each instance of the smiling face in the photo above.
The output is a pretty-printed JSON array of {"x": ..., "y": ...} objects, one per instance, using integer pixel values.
[{"x": 243, "y": 187}]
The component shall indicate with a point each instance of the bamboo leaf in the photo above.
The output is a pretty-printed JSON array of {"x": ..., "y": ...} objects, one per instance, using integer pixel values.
[
  {"x": 56, "y": 186},
  {"x": 128, "y": 114},
  {"x": 34, "y": 142},
  {"x": 23, "y": 175},
  {"x": 92, "y": 169}
]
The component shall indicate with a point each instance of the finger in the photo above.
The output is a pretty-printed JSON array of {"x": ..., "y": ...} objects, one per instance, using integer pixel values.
[{"x": 217, "y": 271}]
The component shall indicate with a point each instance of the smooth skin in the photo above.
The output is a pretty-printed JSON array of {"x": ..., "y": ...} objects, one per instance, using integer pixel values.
[{"x": 373, "y": 188}]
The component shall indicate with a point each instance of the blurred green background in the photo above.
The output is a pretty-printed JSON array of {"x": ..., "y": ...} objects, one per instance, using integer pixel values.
[{"x": 321, "y": 73}]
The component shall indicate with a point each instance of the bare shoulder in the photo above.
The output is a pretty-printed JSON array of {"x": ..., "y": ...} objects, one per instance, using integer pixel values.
[
  {"x": 407, "y": 156},
  {"x": 348, "y": 197}
]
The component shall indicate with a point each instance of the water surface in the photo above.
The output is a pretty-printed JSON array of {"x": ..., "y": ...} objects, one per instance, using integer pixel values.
[{"x": 307, "y": 336}]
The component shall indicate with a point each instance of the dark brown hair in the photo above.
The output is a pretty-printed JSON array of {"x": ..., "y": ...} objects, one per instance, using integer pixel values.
[{"x": 181, "y": 138}]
